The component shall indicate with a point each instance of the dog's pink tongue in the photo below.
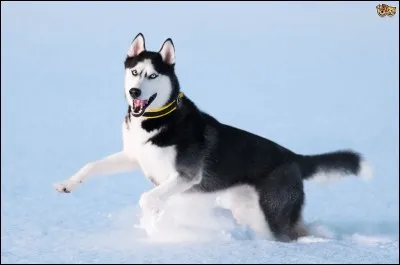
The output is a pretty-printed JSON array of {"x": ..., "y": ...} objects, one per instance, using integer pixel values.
[{"x": 139, "y": 103}]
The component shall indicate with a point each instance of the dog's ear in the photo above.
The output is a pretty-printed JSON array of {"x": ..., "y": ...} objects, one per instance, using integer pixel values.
[
  {"x": 137, "y": 46},
  {"x": 167, "y": 52}
]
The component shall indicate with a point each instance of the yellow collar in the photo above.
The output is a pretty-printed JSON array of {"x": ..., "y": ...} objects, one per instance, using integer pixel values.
[{"x": 163, "y": 111}]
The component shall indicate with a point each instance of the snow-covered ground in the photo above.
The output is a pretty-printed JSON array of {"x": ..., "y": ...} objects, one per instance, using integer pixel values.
[{"x": 317, "y": 77}]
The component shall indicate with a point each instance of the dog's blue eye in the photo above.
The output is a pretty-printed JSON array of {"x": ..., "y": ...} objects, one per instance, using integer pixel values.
[
  {"x": 153, "y": 76},
  {"x": 134, "y": 72}
]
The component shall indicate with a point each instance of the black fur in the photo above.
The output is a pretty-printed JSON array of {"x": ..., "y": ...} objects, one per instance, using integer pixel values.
[
  {"x": 227, "y": 156},
  {"x": 346, "y": 162}
]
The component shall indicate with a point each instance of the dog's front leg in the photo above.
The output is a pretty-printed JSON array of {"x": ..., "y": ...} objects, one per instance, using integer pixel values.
[
  {"x": 153, "y": 200},
  {"x": 115, "y": 163}
]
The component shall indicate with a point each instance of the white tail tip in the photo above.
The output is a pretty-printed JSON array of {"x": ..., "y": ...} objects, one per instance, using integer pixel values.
[{"x": 365, "y": 171}]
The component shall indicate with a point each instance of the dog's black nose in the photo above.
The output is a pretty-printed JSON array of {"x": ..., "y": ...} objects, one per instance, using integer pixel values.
[{"x": 135, "y": 92}]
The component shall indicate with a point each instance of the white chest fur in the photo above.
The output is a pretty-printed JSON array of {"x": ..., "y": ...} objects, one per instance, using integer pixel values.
[{"x": 157, "y": 163}]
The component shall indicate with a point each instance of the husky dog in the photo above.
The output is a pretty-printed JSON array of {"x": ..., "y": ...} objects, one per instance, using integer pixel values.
[{"x": 182, "y": 149}]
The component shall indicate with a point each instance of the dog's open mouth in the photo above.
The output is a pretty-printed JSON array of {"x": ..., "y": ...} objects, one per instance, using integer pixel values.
[{"x": 140, "y": 105}]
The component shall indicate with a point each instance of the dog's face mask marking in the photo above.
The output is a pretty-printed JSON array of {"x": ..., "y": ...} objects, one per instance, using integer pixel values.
[{"x": 148, "y": 75}]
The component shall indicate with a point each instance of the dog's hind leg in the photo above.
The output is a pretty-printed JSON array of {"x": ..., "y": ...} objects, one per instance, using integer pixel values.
[
  {"x": 281, "y": 198},
  {"x": 115, "y": 163},
  {"x": 301, "y": 229},
  {"x": 243, "y": 201}
]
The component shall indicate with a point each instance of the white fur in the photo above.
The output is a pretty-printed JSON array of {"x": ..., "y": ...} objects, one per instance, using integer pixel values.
[
  {"x": 365, "y": 171},
  {"x": 325, "y": 176},
  {"x": 161, "y": 85},
  {"x": 113, "y": 164},
  {"x": 155, "y": 162},
  {"x": 243, "y": 201}
]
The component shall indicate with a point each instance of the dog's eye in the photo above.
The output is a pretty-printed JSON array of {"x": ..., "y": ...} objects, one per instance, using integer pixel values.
[
  {"x": 134, "y": 72},
  {"x": 153, "y": 76}
]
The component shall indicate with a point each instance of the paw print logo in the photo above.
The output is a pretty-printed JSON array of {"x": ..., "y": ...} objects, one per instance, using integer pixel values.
[
  {"x": 385, "y": 10},
  {"x": 391, "y": 11}
]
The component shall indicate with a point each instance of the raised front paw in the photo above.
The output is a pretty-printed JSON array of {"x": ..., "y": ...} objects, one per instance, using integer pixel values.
[{"x": 66, "y": 187}]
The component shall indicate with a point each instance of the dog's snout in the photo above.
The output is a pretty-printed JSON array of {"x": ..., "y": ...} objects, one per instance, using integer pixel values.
[{"x": 135, "y": 92}]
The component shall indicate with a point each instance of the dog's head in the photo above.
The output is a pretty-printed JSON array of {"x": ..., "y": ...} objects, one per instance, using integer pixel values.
[{"x": 150, "y": 80}]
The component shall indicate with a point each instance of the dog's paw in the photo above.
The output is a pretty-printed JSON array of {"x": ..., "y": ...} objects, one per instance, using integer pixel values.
[{"x": 65, "y": 187}]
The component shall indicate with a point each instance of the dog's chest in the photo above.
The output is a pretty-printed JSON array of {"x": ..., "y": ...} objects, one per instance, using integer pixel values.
[{"x": 157, "y": 163}]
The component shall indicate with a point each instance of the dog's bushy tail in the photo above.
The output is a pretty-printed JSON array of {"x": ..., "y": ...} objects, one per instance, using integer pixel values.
[{"x": 334, "y": 165}]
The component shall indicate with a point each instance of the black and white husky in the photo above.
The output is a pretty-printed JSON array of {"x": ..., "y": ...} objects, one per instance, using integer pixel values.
[{"x": 181, "y": 149}]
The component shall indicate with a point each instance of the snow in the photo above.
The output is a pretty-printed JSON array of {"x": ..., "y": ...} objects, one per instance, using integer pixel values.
[{"x": 317, "y": 77}]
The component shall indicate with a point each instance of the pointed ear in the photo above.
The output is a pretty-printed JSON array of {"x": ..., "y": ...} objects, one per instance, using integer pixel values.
[
  {"x": 137, "y": 46},
  {"x": 167, "y": 52}
]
